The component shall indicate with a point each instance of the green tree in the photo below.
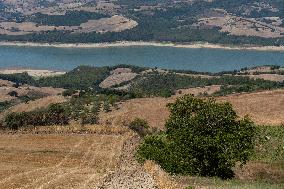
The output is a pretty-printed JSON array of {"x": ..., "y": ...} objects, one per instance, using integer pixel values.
[
  {"x": 15, "y": 120},
  {"x": 202, "y": 138},
  {"x": 57, "y": 115},
  {"x": 140, "y": 126}
]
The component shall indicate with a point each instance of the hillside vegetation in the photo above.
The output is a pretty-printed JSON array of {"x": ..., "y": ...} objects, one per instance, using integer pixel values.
[
  {"x": 147, "y": 82},
  {"x": 239, "y": 22},
  {"x": 87, "y": 134}
]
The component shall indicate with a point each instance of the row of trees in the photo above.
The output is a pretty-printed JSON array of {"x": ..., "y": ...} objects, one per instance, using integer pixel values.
[
  {"x": 53, "y": 115},
  {"x": 71, "y": 18},
  {"x": 84, "y": 109},
  {"x": 56, "y": 114},
  {"x": 156, "y": 84}
]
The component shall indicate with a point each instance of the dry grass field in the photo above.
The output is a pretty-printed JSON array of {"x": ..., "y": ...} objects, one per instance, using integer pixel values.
[
  {"x": 64, "y": 157},
  {"x": 34, "y": 105},
  {"x": 270, "y": 77},
  {"x": 57, "y": 161},
  {"x": 117, "y": 77},
  {"x": 263, "y": 107}
]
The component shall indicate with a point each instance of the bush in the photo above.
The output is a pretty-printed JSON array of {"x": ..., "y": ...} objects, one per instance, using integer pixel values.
[
  {"x": 13, "y": 94},
  {"x": 15, "y": 120},
  {"x": 57, "y": 115},
  {"x": 5, "y": 105},
  {"x": 69, "y": 92},
  {"x": 140, "y": 126},
  {"x": 202, "y": 138},
  {"x": 106, "y": 106},
  {"x": 89, "y": 119},
  {"x": 53, "y": 115}
]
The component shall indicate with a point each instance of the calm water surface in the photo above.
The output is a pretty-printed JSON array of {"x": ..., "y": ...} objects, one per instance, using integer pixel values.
[{"x": 211, "y": 60}]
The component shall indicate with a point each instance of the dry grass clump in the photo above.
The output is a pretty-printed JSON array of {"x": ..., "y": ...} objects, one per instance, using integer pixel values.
[
  {"x": 162, "y": 179},
  {"x": 6, "y": 83},
  {"x": 254, "y": 171},
  {"x": 76, "y": 129}
]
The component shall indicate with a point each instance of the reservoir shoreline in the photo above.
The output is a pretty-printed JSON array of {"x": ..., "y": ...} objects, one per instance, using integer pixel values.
[
  {"x": 197, "y": 45},
  {"x": 165, "y": 56}
]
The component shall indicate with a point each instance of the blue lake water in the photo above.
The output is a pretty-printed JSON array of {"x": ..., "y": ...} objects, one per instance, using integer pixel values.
[{"x": 211, "y": 60}]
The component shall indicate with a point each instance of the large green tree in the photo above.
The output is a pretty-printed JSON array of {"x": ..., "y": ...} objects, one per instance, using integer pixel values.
[{"x": 202, "y": 137}]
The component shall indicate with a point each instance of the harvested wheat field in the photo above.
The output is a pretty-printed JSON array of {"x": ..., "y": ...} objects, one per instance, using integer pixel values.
[
  {"x": 70, "y": 161},
  {"x": 263, "y": 107}
]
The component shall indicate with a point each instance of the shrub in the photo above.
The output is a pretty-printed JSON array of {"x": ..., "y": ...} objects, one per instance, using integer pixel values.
[
  {"x": 53, "y": 115},
  {"x": 89, "y": 119},
  {"x": 69, "y": 92},
  {"x": 15, "y": 120},
  {"x": 5, "y": 105},
  {"x": 140, "y": 126},
  {"x": 57, "y": 115},
  {"x": 13, "y": 94},
  {"x": 202, "y": 138},
  {"x": 106, "y": 106}
]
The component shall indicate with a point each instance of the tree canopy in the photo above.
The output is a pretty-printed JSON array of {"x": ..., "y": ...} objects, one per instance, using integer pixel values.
[{"x": 202, "y": 137}]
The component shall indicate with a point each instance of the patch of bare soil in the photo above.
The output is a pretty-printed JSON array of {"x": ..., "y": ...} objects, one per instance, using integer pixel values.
[
  {"x": 116, "y": 23},
  {"x": 242, "y": 26},
  {"x": 117, "y": 77}
]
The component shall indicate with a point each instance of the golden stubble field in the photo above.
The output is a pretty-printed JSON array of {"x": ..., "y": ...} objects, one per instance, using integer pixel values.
[
  {"x": 57, "y": 161},
  {"x": 264, "y": 108},
  {"x": 73, "y": 156}
]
